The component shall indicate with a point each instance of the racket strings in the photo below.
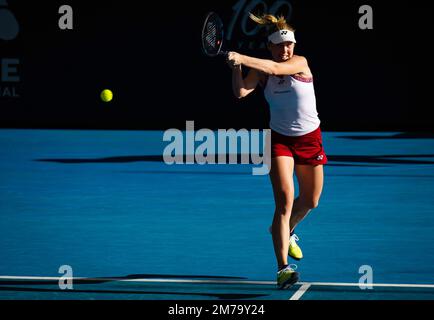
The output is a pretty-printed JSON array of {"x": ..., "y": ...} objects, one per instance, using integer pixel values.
[{"x": 211, "y": 35}]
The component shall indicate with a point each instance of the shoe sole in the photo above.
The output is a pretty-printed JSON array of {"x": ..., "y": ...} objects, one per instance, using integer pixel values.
[
  {"x": 290, "y": 282},
  {"x": 298, "y": 259}
]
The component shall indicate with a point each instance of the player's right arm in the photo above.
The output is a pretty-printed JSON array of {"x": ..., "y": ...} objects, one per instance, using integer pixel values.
[{"x": 242, "y": 87}]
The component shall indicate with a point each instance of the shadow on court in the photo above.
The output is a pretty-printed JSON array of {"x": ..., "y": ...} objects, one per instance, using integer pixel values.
[
  {"x": 380, "y": 159},
  {"x": 98, "y": 280}
]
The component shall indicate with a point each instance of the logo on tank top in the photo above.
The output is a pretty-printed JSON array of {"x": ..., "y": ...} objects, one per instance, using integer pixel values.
[{"x": 281, "y": 82}]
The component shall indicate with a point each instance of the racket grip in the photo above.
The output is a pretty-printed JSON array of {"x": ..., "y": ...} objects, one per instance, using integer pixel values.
[{"x": 223, "y": 53}]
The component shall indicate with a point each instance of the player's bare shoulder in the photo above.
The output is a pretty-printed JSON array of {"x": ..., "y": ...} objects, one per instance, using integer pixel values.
[{"x": 306, "y": 73}]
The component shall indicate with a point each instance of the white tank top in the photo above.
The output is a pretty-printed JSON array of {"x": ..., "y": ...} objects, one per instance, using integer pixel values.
[{"x": 292, "y": 105}]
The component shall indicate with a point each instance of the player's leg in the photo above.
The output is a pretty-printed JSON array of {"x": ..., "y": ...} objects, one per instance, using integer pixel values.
[
  {"x": 281, "y": 175},
  {"x": 310, "y": 180}
]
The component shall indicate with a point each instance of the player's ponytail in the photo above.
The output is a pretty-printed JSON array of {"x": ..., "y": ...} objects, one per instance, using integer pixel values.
[{"x": 270, "y": 22}]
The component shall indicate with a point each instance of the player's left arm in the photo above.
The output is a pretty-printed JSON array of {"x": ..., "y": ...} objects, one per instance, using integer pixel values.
[{"x": 295, "y": 65}]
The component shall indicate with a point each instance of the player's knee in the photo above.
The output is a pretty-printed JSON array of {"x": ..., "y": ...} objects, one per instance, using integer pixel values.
[
  {"x": 281, "y": 210},
  {"x": 310, "y": 203},
  {"x": 284, "y": 208},
  {"x": 284, "y": 202}
]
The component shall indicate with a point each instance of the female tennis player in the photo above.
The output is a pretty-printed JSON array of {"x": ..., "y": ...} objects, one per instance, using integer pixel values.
[{"x": 296, "y": 142}]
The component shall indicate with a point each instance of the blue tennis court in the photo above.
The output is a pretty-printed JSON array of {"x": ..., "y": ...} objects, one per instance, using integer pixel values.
[{"x": 132, "y": 227}]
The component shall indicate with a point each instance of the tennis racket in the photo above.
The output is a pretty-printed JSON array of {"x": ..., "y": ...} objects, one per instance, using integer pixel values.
[{"x": 212, "y": 35}]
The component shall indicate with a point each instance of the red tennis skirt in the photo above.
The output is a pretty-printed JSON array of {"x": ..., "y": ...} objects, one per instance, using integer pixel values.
[{"x": 306, "y": 149}]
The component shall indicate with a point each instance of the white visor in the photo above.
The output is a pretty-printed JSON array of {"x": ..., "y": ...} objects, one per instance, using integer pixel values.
[{"x": 282, "y": 36}]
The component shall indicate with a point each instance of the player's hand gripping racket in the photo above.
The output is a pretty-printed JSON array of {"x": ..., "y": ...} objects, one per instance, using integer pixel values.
[{"x": 212, "y": 35}]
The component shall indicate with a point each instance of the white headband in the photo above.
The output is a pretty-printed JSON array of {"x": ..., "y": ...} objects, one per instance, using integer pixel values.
[{"x": 282, "y": 36}]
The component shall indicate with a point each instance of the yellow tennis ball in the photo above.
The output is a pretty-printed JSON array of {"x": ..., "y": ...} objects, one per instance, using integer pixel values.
[{"x": 106, "y": 95}]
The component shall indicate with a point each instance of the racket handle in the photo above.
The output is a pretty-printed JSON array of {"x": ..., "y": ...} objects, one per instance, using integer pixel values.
[{"x": 223, "y": 53}]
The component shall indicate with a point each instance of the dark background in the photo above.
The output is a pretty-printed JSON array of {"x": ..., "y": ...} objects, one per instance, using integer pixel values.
[{"x": 149, "y": 55}]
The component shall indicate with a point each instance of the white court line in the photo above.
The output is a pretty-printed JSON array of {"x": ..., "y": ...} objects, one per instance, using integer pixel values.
[
  {"x": 403, "y": 285},
  {"x": 297, "y": 295},
  {"x": 344, "y": 284}
]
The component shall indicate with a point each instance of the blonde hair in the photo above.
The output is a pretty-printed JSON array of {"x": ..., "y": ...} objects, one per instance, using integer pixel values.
[{"x": 271, "y": 23}]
